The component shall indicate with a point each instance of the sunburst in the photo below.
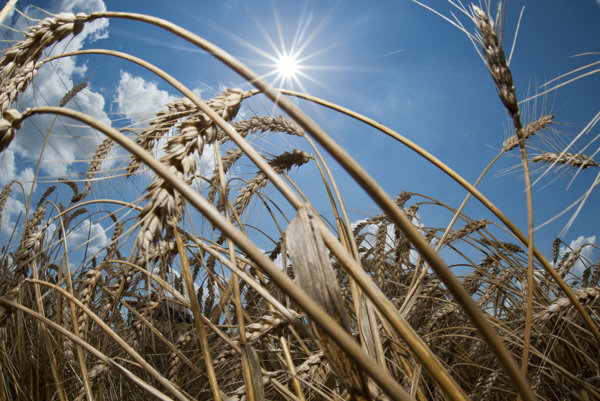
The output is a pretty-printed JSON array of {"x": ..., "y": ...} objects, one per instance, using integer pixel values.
[{"x": 287, "y": 66}]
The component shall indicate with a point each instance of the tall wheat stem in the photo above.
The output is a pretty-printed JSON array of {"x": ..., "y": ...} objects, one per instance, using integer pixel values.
[
  {"x": 80, "y": 356},
  {"x": 246, "y": 373},
  {"x": 34, "y": 272},
  {"x": 134, "y": 354},
  {"x": 495, "y": 60}
]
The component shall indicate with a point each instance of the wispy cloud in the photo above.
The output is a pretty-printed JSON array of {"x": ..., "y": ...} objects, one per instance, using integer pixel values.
[
  {"x": 88, "y": 234},
  {"x": 400, "y": 51}
]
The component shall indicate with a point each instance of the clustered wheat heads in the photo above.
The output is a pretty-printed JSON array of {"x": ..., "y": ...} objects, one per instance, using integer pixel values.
[
  {"x": 180, "y": 156},
  {"x": 114, "y": 326}
]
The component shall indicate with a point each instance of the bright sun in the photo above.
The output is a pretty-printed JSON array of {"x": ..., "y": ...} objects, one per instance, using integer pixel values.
[{"x": 287, "y": 66}]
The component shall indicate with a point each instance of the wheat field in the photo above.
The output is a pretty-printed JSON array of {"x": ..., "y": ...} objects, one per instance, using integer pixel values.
[{"x": 221, "y": 279}]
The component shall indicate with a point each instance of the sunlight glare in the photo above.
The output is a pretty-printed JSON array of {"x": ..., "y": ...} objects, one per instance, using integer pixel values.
[{"x": 287, "y": 66}]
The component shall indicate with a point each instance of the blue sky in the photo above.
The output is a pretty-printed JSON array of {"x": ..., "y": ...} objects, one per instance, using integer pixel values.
[{"x": 393, "y": 61}]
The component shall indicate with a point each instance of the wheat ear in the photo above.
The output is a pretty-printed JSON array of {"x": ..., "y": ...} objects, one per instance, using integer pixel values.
[
  {"x": 280, "y": 163},
  {"x": 180, "y": 157},
  {"x": 18, "y": 63},
  {"x": 72, "y": 93},
  {"x": 529, "y": 130},
  {"x": 267, "y": 124},
  {"x": 572, "y": 159},
  {"x": 586, "y": 296},
  {"x": 163, "y": 121},
  {"x": 10, "y": 121}
]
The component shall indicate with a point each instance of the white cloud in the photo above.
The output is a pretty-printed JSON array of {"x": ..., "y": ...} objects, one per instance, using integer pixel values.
[
  {"x": 87, "y": 234},
  {"x": 7, "y": 165},
  {"x": 9, "y": 170},
  {"x": 137, "y": 98},
  {"x": 83, "y": 6}
]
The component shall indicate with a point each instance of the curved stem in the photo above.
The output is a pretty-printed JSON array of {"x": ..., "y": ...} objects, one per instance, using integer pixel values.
[{"x": 529, "y": 281}]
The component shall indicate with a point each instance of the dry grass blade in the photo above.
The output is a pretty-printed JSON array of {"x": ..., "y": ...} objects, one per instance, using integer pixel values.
[
  {"x": 252, "y": 372},
  {"x": 315, "y": 274}
]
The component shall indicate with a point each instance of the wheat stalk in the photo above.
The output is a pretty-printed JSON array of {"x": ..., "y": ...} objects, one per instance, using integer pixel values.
[
  {"x": 4, "y": 197},
  {"x": 93, "y": 168},
  {"x": 94, "y": 375},
  {"x": 468, "y": 229},
  {"x": 497, "y": 65},
  {"x": 267, "y": 124},
  {"x": 163, "y": 121}
]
